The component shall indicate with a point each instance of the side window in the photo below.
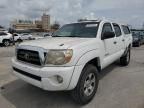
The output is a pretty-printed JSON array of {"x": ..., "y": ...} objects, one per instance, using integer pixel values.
[
  {"x": 117, "y": 30},
  {"x": 126, "y": 29},
  {"x": 107, "y": 28}
]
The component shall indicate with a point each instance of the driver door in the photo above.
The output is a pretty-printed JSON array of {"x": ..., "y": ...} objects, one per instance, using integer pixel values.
[{"x": 109, "y": 44}]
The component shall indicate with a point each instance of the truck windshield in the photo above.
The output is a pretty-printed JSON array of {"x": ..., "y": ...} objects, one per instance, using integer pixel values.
[{"x": 83, "y": 30}]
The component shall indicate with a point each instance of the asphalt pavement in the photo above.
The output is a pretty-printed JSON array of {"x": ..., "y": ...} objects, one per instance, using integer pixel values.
[{"x": 119, "y": 87}]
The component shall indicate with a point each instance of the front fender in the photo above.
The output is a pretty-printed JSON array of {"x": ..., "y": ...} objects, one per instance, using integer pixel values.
[
  {"x": 86, "y": 57},
  {"x": 82, "y": 61}
]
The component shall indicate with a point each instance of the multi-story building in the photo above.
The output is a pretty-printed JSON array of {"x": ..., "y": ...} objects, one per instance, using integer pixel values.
[
  {"x": 23, "y": 24},
  {"x": 38, "y": 24},
  {"x": 44, "y": 23}
]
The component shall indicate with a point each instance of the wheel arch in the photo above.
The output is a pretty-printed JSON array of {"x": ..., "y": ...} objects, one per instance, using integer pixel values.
[
  {"x": 96, "y": 62},
  {"x": 127, "y": 49},
  {"x": 79, "y": 68},
  {"x": 5, "y": 40}
]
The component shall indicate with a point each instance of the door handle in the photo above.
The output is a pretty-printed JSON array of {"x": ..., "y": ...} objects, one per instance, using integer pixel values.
[{"x": 115, "y": 42}]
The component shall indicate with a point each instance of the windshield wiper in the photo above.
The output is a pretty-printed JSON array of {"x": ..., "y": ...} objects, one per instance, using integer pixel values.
[
  {"x": 56, "y": 36},
  {"x": 73, "y": 36},
  {"x": 64, "y": 36},
  {"x": 67, "y": 36}
]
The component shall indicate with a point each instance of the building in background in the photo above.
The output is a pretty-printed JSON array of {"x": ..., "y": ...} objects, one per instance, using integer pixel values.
[
  {"x": 23, "y": 24},
  {"x": 43, "y": 24},
  {"x": 38, "y": 24}
]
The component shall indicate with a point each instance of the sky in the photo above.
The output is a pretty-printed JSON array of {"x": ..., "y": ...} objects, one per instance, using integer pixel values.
[{"x": 66, "y": 11}]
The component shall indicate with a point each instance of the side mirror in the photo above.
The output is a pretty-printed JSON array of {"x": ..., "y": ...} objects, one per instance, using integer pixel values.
[{"x": 107, "y": 35}]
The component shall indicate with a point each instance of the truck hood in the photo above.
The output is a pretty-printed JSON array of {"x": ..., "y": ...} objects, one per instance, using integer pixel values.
[{"x": 56, "y": 42}]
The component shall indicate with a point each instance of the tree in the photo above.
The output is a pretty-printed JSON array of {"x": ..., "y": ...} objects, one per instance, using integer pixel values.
[{"x": 55, "y": 26}]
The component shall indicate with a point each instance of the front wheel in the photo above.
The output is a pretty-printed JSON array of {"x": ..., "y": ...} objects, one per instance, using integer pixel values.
[
  {"x": 124, "y": 61},
  {"x": 87, "y": 85},
  {"x": 6, "y": 43}
]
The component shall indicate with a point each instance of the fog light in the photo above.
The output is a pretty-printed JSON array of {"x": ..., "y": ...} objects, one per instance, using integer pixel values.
[{"x": 59, "y": 79}]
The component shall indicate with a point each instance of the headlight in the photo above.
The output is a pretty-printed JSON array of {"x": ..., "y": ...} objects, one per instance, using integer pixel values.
[{"x": 59, "y": 57}]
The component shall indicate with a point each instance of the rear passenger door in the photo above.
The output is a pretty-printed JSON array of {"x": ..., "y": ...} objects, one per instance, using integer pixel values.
[
  {"x": 127, "y": 35},
  {"x": 119, "y": 39}
]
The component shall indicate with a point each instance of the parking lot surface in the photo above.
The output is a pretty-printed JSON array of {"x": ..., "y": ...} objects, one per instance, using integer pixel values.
[{"x": 119, "y": 87}]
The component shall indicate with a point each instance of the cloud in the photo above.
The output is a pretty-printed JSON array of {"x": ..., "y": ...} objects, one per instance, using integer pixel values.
[
  {"x": 66, "y": 11},
  {"x": 2, "y": 7}
]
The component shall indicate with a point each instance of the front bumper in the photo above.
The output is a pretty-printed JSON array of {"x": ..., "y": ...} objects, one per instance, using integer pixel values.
[{"x": 43, "y": 77}]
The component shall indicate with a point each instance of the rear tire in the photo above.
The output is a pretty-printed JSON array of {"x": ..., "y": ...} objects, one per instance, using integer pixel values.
[
  {"x": 6, "y": 43},
  {"x": 124, "y": 61},
  {"x": 87, "y": 85}
]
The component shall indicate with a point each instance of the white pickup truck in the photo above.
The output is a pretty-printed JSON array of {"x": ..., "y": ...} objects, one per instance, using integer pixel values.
[{"x": 74, "y": 57}]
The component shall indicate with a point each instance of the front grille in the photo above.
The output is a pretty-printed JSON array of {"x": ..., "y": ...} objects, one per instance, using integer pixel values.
[{"x": 28, "y": 56}]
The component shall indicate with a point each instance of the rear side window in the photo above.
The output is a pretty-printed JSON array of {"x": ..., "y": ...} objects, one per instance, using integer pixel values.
[
  {"x": 117, "y": 30},
  {"x": 126, "y": 29}
]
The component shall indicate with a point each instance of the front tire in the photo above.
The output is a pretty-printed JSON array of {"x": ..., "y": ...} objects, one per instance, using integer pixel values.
[
  {"x": 124, "y": 61},
  {"x": 6, "y": 43},
  {"x": 87, "y": 85}
]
